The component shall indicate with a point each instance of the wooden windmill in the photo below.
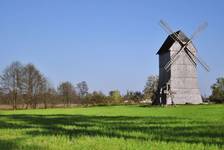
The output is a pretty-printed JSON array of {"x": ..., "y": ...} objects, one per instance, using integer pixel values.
[{"x": 178, "y": 82}]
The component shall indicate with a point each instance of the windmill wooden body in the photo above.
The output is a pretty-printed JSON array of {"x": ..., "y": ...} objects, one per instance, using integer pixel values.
[{"x": 178, "y": 82}]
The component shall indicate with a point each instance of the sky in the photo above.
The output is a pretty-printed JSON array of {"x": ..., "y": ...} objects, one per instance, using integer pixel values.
[{"x": 109, "y": 44}]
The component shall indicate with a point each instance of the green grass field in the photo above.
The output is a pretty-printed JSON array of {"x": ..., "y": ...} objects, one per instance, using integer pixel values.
[{"x": 114, "y": 127}]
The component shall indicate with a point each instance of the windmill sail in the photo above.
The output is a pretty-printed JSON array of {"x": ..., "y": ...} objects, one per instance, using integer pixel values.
[{"x": 177, "y": 68}]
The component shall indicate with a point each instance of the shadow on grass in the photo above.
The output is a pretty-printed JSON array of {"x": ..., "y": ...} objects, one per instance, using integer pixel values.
[
  {"x": 8, "y": 144},
  {"x": 14, "y": 144},
  {"x": 168, "y": 129}
]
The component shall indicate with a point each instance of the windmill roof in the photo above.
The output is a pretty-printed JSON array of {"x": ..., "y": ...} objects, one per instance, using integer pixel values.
[{"x": 169, "y": 41}]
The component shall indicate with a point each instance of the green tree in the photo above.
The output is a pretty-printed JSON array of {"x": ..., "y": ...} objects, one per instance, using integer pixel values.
[
  {"x": 218, "y": 91},
  {"x": 96, "y": 98},
  {"x": 134, "y": 96},
  {"x": 82, "y": 88},
  {"x": 151, "y": 87},
  {"x": 115, "y": 96}
]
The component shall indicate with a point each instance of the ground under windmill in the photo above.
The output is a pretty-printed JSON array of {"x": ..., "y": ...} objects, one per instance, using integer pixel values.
[{"x": 178, "y": 80}]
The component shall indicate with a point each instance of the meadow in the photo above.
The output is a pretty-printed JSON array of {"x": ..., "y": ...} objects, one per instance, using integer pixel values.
[{"x": 114, "y": 127}]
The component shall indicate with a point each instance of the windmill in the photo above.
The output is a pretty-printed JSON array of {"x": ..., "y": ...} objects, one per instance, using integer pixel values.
[{"x": 178, "y": 68}]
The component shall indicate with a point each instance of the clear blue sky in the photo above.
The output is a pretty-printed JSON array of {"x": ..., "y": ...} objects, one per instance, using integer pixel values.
[{"x": 110, "y": 44}]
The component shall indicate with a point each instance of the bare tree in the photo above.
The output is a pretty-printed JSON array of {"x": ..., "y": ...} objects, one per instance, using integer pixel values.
[
  {"x": 50, "y": 97},
  {"x": 11, "y": 81},
  {"x": 66, "y": 90},
  {"x": 44, "y": 90},
  {"x": 34, "y": 84}
]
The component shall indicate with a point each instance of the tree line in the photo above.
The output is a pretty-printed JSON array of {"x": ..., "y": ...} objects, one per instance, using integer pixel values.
[{"x": 24, "y": 86}]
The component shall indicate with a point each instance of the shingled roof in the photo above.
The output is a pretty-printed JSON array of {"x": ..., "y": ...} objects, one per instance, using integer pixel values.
[{"x": 169, "y": 42}]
